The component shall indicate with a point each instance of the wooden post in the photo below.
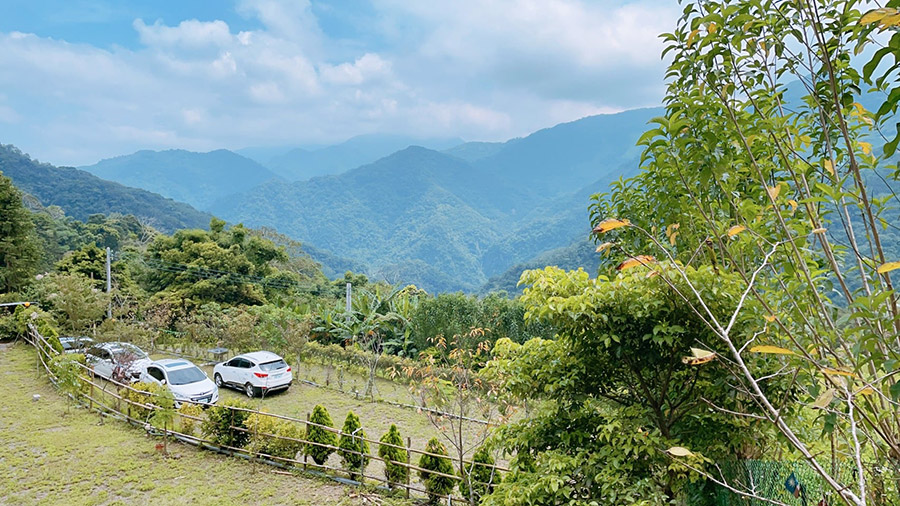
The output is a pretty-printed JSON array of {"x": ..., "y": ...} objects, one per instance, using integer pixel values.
[
  {"x": 91, "y": 398},
  {"x": 408, "y": 471},
  {"x": 306, "y": 450}
]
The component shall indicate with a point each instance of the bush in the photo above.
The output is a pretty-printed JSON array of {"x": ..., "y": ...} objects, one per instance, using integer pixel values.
[
  {"x": 436, "y": 485},
  {"x": 483, "y": 477},
  {"x": 395, "y": 473},
  {"x": 187, "y": 425},
  {"x": 140, "y": 393},
  {"x": 321, "y": 435},
  {"x": 352, "y": 445},
  {"x": 261, "y": 424},
  {"x": 223, "y": 424},
  {"x": 67, "y": 370}
]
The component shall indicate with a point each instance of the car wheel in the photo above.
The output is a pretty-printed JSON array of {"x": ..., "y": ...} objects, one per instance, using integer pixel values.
[
  {"x": 219, "y": 382},
  {"x": 249, "y": 390}
]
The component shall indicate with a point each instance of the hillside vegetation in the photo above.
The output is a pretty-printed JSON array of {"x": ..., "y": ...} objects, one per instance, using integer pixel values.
[
  {"x": 300, "y": 164},
  {"x": 82, "y": 194},
  {"x": 450, "y": 220},
  {"x": 195, "y": 178}
]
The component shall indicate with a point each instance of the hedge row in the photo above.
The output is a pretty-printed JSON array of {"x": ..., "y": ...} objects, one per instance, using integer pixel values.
[{"x": 234, "y": 424}]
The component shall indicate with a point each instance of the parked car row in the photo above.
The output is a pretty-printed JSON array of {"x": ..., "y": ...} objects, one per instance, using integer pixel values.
[{"x": 256, "y": 373}]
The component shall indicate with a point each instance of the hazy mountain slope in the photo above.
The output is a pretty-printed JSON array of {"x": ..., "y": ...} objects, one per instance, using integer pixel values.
[
  {"x": 416, "y": 204},
  {"x": 451, "y": 220},
  {"x": 550, "y": 225},
  {"x": 300, "y": 164},
  {"x": 471, "y": 151},
  {"x": 262, "y": 154},
  {"x": 580, "y": 253},
  {"x": 195, "y": 178},
  {"x": 81, "y": 194},
  {"x": 567, "y": 156}
]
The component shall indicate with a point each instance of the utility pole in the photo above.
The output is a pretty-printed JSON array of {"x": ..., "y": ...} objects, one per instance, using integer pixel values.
[
  {"x": 349, "y": 296},
  {"x": 108, "y": 284}
]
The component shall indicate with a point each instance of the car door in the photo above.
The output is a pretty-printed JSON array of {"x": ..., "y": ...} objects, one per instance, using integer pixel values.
[
  {"x": 244, "y": 374},
  {"x": 155, "y": 374},
  {"x": 104, "y": 364},
  {"x": 229, "y": 371}
]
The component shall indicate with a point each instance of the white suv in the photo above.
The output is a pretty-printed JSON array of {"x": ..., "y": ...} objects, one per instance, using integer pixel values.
[
  {"x": 255, "y": 373},
  {"x": 186, "y": 381}
]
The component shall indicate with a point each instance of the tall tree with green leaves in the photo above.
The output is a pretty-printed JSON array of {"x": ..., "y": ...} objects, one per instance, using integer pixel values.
[
  {"x": 774, "y": 163},
  {"x": 19, "y": 251}
]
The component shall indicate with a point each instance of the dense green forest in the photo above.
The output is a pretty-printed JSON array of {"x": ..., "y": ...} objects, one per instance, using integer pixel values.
[
  {"x": 82, "y": 194},
  {"x": 450, "y": 220},
  {"x": 233, "y": 285},
  {"x": 198, "y": 179}
]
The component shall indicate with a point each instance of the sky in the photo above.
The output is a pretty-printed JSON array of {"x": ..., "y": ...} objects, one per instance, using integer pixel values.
[{"x": 82, "y": 80}]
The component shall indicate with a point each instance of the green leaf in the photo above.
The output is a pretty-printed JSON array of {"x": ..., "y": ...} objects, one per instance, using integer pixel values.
[{"x": 895, "y": 391}]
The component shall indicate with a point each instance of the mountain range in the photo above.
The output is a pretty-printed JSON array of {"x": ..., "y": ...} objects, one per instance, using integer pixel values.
[
  {"x": 450, "y": 220},
  {"x": 446, "y": 216},
  {"x": 82, "y": 194},
  {"x": 195, "y": 178},
  {"x": 299, "y": 164}
]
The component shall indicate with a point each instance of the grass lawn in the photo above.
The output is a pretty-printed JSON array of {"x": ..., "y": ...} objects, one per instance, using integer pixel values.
[{"x": 53, "y": 455}]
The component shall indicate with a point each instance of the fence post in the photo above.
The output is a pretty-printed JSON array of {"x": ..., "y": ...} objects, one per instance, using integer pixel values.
[
  {"x": 306, "y": 450},
  {"x": 91, "y": 398},
  {"x": 408, "y": 470}
]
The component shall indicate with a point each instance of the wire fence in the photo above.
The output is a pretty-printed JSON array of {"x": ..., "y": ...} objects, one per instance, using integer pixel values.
[
  {"x": 118, "y": 400},
  {"x": 205, "y": 357},
  {"x": 768, "y": 479},
  {"x": 763, "y": 479}
]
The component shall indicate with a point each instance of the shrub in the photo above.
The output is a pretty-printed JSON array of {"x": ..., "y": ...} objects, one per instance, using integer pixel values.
[
  {"x": 321, "y": 435},
  {"x": 352, "y": 443},
  {"x": 483, "y": 477},
  {"x": 436, "y": 485},
  {"x": 394, "y": 472},
  {"x": 139, "y": 394},
  {"x": 223, "y": 424},
  {"x": 261, "y": 424},
  {"x": 187, "y": 425},
  {"x": 66, "y": 369}
]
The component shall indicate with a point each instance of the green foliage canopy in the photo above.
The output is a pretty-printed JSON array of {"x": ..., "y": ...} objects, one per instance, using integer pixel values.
[
  {"x": 352, "y": 443},
  {"x": 19, "y": 249},
  {"x": 320, "y": 434}
]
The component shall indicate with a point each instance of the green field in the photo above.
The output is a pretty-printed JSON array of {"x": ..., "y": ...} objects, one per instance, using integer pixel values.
[{"x": 53, "y": 455}]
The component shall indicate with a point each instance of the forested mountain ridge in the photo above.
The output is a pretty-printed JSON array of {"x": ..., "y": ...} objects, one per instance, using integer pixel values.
[
  {"x": 301, "y": 164},
  {"x": 82, "y": 194},
  {"x": 450, "y": 220},
  {"x": 195, "y": 178},
  {"x": 413, "y": 204}
]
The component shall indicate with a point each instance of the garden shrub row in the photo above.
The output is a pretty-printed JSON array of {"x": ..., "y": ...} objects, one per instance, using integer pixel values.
[
  {"x": 234, "y": 424},
  {"x": 351, "y": 446}
]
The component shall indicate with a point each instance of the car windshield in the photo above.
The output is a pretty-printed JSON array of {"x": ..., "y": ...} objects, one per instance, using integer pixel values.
[
  {"x": 186, "y": 376},
  {"x": 129, "y": 349},
  {"x": 272, "y": 366}
]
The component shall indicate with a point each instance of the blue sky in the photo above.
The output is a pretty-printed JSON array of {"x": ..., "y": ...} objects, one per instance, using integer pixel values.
[{"x": 89, "y": 79}]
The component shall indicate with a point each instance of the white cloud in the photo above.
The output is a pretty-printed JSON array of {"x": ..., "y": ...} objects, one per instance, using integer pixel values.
[
  {"x": 482, "y": 70},
  {"x": 190, "y": 34},
  {"x": 367, "y": 67}
]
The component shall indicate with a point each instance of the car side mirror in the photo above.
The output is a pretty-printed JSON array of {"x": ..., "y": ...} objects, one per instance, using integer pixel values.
[{"x": 162, "y": 381}]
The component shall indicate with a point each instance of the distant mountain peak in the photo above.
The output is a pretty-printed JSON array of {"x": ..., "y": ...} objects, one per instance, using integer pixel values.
[{"x": 187, "y": 176}]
